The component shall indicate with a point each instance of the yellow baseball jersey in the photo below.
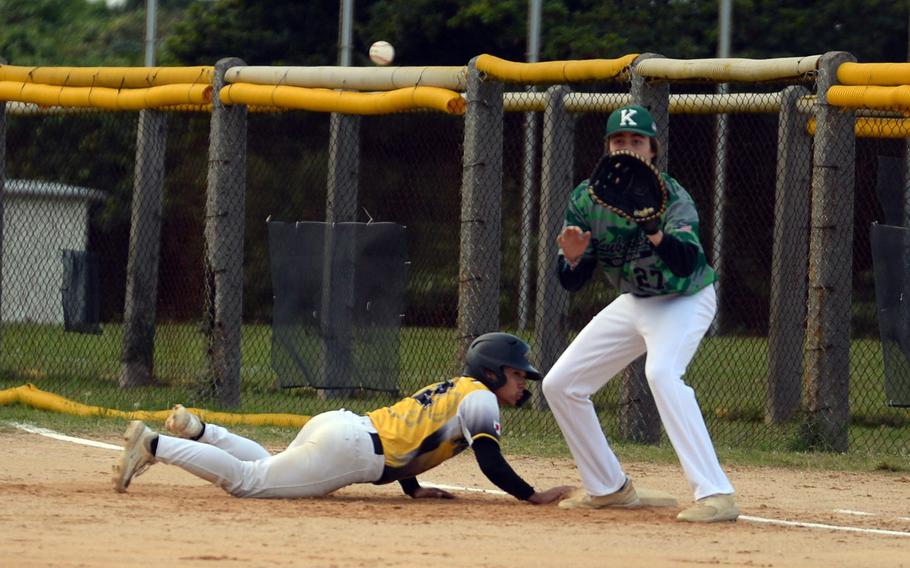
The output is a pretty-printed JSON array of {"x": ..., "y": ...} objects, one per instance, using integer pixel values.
[{"x": 435, "y": 424}]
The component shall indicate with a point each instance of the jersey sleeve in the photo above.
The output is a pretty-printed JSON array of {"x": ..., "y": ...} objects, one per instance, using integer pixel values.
[
  {"x": 576, "y": 214},
  {"x": 681, "y": 218},
  {"x": 479, "y": 414}
]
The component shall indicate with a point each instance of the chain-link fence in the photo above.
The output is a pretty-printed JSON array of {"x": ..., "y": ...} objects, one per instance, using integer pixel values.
[
  {"x": 97, "y": 225},
  {"x": 69, "y": 187}
]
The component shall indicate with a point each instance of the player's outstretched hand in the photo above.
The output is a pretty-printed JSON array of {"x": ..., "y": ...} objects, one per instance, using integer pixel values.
[
  {"x": 431, "y": 493},
  {"x": 550, "y": 495},
  {"x": 573, "y": 242}
]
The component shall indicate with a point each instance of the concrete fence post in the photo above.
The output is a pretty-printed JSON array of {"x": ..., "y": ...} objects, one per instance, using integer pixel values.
[
  {"x": 790, "y": 249},
  {"x": 557, "y": 164},
  {"x": 224, "y": 227},
  {"x": 139, "y": 310},
  {"x": 639, "y": 420},
  {"x": 830, "y": 267},
  {"x": 481, "y": 210}
]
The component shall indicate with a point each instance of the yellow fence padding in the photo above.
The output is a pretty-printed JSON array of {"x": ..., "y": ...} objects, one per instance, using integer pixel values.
[
  {"x": 30, "y": 395},
  {"x": 106, "y": 98},
  {"x": 882, "y": 74},
  {"x": 554, "y": 71},
  {"x": 869, "y": 96},
  {"x": 345, "y": 102},
  {"x": 111, "y": 77},
  {"x": 876, "y": 127}
]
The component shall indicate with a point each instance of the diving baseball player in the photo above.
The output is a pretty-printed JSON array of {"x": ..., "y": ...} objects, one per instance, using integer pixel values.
[
  {"x": 338, "y": 448},
  {"x": 665, "y": 306}
]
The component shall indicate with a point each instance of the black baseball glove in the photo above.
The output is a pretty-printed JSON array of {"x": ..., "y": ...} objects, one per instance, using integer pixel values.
[{"x": 631, "y": 187}]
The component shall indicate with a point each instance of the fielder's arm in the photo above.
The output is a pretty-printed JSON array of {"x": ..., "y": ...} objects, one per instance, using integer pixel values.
[
  {"x": 679, "y": 257},
  {"x": 574, "y": 278}
]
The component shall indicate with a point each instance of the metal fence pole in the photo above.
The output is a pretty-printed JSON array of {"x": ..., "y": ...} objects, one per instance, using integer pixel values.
[
  {"x": 528, "y": 183},
  {"x": 528, "y": 178},
  {"x": 905, "y": 210},
  {"x": 137, "y": 359},
  {"x": 338, "y": 281},
  {"x": 224, "y": 226},
  {"x": 830, "y": 267},
  {"x": 557, "y": 164},
  {"x": 481, "y": 204},
  {"x": 721, "y": 139},
  {"x": 790, "y": 248},
  {"x": 639, "y": 420},
  {"x": 2, "y": 197}
]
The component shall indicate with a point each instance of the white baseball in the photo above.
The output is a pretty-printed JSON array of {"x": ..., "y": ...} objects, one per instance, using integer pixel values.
[{"x": 382, "y": 53}]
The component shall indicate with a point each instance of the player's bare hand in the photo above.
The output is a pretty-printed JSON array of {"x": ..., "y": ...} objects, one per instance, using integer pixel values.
[
  {"x": 431, "y": 493},
  {"x": 573, "y": 242},
  {"x": 550, "y": 495}
]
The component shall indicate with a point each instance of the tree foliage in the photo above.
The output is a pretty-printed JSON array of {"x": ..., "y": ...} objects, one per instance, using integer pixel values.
[
  {"x": 48, "y": 31},
  {"x": 260, "y": 33},
  {"x": 442, "y": 32},
  {"x": 451, "y": 32},
  {"x": 79, "y": 32}
]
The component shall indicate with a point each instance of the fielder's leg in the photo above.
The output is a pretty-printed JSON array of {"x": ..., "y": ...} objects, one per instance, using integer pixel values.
[
  {"x": 673, "y": 327},
  {"x": 603, "y": 348}
]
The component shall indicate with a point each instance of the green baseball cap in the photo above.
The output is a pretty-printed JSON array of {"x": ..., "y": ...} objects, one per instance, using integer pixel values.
[{"x": 631, "y": 118}]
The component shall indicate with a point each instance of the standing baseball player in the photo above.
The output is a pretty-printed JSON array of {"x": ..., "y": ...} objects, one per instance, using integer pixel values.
[
  {"x": 665, "y": 306},
  {"x": 339, "y": 448}
]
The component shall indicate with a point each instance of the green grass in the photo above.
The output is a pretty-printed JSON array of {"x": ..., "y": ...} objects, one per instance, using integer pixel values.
[{"x": 728, "y": 374}]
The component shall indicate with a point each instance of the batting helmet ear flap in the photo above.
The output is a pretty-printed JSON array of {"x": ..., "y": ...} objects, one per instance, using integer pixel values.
[
  {"x": 525, "y": 397},
  {"x": 493, "y": 352}
]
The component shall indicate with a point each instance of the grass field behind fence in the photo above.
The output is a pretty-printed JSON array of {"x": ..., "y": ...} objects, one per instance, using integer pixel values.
[{"x": 728, "y": 374}]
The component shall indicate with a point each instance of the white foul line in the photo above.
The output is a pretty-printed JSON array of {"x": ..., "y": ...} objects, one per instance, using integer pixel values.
[
  {"x": 459, "y": 488},
  {"x": 864, "y": 514},
  {"x": 820, "y": 526},
  {"x": 748, "y": 518},
  {"x": 852, "y": 512},
  {"x": 63, "y": 437}
]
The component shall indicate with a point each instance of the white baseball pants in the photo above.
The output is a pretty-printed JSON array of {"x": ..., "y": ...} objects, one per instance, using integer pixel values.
[
  {"x": 669, "y": 328},
  {"x": 334, "y": 449}
]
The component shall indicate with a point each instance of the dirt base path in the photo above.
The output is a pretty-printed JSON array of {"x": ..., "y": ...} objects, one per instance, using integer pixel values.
[{"x": 57, "y": 509}]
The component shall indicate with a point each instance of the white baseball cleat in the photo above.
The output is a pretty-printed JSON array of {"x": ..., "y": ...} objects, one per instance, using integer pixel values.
[
  {"x": 183, "y": 423},
  {"x": 625, "y": 498},
  {"x": 136, "y": 457},
  {"x": 711, "y": 509}
]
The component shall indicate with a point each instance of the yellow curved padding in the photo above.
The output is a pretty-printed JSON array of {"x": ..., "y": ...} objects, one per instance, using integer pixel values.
[
  {"x": 882, "y": 74},
  {"x": 869, "y": 96},
  {"x": 30, "y": 395},
  {"x": 345, "y": 102},
  {"x": 111, "y": 77},
  {"x": 875, "y": 127},
  {"x": 106, "y": 98},
  {"x": 554, "y": 71}
]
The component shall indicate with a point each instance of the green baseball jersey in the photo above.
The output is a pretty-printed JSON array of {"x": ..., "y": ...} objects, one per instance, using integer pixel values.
[{"x": 624, "y": 252}]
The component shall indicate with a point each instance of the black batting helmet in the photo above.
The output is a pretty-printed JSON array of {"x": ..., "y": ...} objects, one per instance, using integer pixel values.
[{"x": 493, "y": 351}]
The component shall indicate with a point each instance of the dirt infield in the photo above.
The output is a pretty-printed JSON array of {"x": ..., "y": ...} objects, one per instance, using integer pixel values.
[{"x": 57, "y": 509}]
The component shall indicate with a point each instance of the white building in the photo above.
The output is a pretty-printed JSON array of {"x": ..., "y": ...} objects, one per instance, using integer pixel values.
[{"x": 40, "y": 220}]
